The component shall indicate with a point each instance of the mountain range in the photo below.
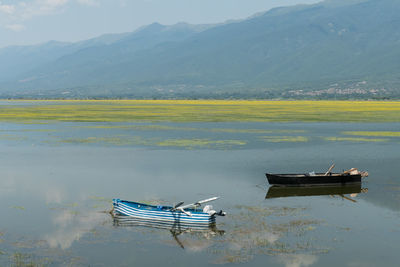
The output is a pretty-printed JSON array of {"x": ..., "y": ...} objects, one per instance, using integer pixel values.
[{"x": 336, "y": 48}]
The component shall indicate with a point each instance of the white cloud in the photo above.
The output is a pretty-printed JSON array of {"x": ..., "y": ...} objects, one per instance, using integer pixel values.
[
  {"x": 123, "y": 3},
  {"x": 15, "y": 27},
  {"x": 20, "y": 12},
  {"x": 53, "y": 2},
  {"x": 8, "y": 9},
  {"x": 26, "y": 11},
  {"x": 88, "y": 2}
]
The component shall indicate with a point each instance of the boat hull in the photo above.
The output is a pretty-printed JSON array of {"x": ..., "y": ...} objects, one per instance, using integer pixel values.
[
  {"x": 318, "y": 179},
  {"x": 161, "y": 213}
]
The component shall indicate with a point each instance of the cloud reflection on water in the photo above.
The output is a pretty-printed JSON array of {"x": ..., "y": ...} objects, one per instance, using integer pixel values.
[
  {"x": 71, "y": 227},
  {"x": 297, "y": 260}
]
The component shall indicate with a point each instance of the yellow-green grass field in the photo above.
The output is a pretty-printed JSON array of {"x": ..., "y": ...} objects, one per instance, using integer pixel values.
[{"x": 199, "y": 111}]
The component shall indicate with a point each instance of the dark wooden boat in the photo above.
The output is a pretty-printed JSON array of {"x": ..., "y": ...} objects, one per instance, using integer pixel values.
[
  {"x": 317, "y": 179},
  {"x": 302, "y": 191}
]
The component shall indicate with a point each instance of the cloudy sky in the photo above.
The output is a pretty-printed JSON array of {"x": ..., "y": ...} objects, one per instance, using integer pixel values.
[{"x": 25, "y": 22}]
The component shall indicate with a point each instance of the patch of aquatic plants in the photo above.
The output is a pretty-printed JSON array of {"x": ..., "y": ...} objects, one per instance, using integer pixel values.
[
  {"x": 201, "y": 143},
  {"x": 113, "y": 140},
  {"x": 155, "y": 127},
  {"x": 355, "y": 139},
  {"x": 18, "y": 207},
  {"x": 202, "y": 111},
  {"x": 126, "y": 140},
  {"x": 256, "y": 231},
  {"x": 100, "y": 199},
  {"x": 278, "y": 139},
  {"x": 373, "y": 133},
  {"x": 28, "y": 260},
  {"x": 12, "y": 137},
  {"x": 37, "y": 255}
]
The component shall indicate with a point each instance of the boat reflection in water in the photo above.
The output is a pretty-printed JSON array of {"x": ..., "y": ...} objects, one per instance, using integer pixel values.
[
  {"x": 352, "y": 190},
  {"x": 176, "y": 228}
]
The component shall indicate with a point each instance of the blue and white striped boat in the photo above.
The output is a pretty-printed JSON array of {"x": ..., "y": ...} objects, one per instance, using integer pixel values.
[{"x": 187, "y": 214}]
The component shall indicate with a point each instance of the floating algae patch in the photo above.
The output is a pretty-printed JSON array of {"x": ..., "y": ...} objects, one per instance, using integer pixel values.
[
  {"x": 125, "y": 140},
  {"x": 101, "y": 199},
  {"x": 191, "y": 129},
  {"x": 140, "y": 127},
  {"x": 10, "y": 137},
  {"x": 116, "y": 140},
  {"x": 254, "y": 131},
  {"x": 355, "y": 139},
  {"x": 63, "y": 206},
  {"x": 373, "y": 133},
  {"x": 29, "y": 244},
  {"x": 19, "y": 259},
  {"x": 255, "y": 231},
  {"x": 29, "y": 130},
  {"x": 35, "y": 253},
  {"x": 18, "y": 207},
  {"x": 71, "y": 205},
  {"x": 268, "y": 211},
  {"x": 88, "y": 140},
  {"x": 299, "y": 227},
  {"x": 38, "y": 130},
  {"x": 278, "y": 139},
  {"x": 201, "y": 143}
]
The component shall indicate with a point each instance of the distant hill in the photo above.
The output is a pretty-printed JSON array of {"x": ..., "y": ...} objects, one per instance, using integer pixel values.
[{"x": 337, "y": 48}]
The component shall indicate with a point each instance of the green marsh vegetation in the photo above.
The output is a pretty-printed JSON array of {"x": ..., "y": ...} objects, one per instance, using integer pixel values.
[
  {"x": 277, "y": 139},
  {"x": 356, "y": 139},
  {"x": 155, "y": 127},
  {"x": 373, "y": 133},
  {"x": 366, "y": 136},
  {"x": 128, "y": 122},
  {"x": 201, "y": 111},
  {"x": 126, "y": 140},
  {"x": 12, "y": 137}
]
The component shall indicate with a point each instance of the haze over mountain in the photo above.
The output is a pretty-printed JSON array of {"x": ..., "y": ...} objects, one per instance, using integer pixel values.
[{"x": 337, "y": 48}]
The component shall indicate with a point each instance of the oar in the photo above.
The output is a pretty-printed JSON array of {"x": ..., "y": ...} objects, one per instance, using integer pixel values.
[
  {"x": 206, "y": 200},
  {"x": 175, "y": 207},
  {"x": 329, "y": 170},
  {"x": 184, "y": 211},
  {"x": 198, "y": 203},
  {"x": 344, "y": 197},
  {"x": 178, "y": 205}
]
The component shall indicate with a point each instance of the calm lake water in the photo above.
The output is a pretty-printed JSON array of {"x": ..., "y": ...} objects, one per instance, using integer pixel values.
[{"x": 57, "y": 181}]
